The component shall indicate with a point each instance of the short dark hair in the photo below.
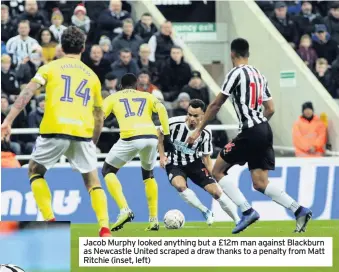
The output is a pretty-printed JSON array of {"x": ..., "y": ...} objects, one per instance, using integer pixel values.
[
  {"x": 240, "y": 47},
  {"x": 110, "y": 76},
  {"x": 144, "y": 71},
  {"x": 73, "y": 40},
  {"x": 128, "y": 81},
  {"x": 146, "y": 14},
  {"x": 125, "y": 50},
  {"x": 197, "y": 103}
]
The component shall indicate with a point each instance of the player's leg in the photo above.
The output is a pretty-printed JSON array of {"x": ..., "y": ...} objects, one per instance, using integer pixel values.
[
  {"x": 46, "y": 153},
  {"x": 201, "y": 177},
  {"x": 113, "y": 184},
  {"x": 115, "y": 189},
  {"x": 224, "y": 201},
  {"x": 41, "y": 192},
  {"x": 177, "y": 177},
  {"x": 236, "y": 152},
  {"x": 148, "y": 158},
  {"x": 220, "y": 174},
  {"x": 98, "y": 201},
  {"x": 121, "y": 153},
  {"x": 259, "y": 172},
  {"x": 82, "y": 157}
]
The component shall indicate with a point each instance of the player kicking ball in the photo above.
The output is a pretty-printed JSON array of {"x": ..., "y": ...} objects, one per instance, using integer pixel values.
[
  {"x": 253, "y": 103},
  {"x": 138, "y": 135},
  {"x": 71, "y": 125},
  {"x": 186, "y": 162}
]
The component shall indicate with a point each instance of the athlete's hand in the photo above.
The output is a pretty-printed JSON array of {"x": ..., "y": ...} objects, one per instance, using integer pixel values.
[
  {"x": 163, "y": 161},
  {"x": 168, "y": 145},
  {"x": 191, "y": 139},
  {"x": 5, "y": 129}
]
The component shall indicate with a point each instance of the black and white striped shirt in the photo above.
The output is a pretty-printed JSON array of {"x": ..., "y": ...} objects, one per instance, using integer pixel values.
[
  {"x": 187, "y": 153},
  {"x": 248, "y": 89},
  {"x": 19, "y": 48}
]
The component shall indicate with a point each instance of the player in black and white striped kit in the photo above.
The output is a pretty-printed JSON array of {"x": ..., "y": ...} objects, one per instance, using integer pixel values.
[
  {"x": 186, "y": 162},
  {"x": 248, "y": 91}
]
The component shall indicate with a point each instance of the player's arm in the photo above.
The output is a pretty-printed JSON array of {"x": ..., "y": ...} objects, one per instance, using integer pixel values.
[
  {"x": 20, "y": 103},
  {"x": 161, "y": 149},
  {"x": 161, "y": 143},
  {"x": 98, "y": 123},
  {"x": 163, "y": 117},
  {"x": 207, "y": 160},
  {"x": 97, "y": 113},
  {"x": 231, "y": 82},
  {"x": 268, "y": 101},
  {"x": 27, "y": 93},
  {"x": 207, "y": 150},
  {"x": 212, "y": 110},
  {"x": 269, "y": 109}
]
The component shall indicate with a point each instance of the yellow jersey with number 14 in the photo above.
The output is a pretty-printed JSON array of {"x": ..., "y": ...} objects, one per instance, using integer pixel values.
[
  {"x": 72, "y": 92},
  {"x": 133, "y": 110}
]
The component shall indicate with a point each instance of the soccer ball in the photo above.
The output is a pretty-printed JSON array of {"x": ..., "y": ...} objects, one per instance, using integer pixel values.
[
  {"x": 174, "y": 219},
  {"x": 10, "y": 268}
]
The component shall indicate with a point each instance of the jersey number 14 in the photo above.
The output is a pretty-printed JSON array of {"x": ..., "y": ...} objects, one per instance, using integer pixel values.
[{"x": 78, "y": 92}]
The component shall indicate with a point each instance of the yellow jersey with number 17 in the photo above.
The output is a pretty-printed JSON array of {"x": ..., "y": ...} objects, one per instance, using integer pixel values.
[
  {"x": 72, "y": 92},
  {"x": 133, "y": 110}
]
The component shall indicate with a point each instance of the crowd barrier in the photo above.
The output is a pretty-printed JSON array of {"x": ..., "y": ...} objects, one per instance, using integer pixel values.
[{"x": 312, "y": 182}]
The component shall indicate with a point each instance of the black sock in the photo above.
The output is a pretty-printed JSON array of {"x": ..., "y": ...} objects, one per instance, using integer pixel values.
[
  {"x": 297, "y": 211},
  {"x": 247, "y": 212}
]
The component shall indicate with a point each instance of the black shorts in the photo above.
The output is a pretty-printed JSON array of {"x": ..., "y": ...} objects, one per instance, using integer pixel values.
[
  {"x": 254, "y": 146},
  {"x": 196, "y": 171}
]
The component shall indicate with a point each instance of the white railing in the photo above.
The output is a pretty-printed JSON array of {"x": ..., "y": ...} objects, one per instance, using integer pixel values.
[{"x": 289, "y": 150}]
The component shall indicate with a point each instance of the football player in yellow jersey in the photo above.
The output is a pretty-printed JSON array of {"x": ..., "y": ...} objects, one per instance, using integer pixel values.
[
  {"x": 138, "y": 135},
  {"x": 71, "y": 125}
]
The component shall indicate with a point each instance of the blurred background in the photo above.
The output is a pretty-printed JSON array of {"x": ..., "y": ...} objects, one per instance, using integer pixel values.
[
  {"x": 36, "y": 246},
  {"x": 180, "y": 50}
]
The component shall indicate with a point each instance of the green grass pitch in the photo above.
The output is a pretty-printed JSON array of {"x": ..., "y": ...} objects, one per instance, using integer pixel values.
[{"x": 325, "y": 228}]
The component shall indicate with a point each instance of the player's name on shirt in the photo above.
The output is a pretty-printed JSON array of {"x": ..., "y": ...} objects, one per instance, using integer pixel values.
[{"x": 75, "y": 66}]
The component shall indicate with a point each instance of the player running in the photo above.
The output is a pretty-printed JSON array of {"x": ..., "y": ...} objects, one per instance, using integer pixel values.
[
  {"x": 248, "y": 90},
  {"x": 187, "y": 163},
  {"x": 138, "y": 135},
  {"x": 71, "y": 125}
]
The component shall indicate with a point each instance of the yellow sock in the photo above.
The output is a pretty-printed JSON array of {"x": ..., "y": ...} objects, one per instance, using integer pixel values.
[
  {"x": 115, "y": 189},
  {"x": 42, "y": 195},
  {"x": 151, "y": 189},
  {"x": 99, "y": 205}
]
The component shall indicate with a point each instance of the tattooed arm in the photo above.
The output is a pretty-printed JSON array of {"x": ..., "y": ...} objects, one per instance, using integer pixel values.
[{"x": 21, "y": 102}]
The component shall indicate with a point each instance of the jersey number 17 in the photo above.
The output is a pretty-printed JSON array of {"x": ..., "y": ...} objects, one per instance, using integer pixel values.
[{"x": 128, "y": 109}]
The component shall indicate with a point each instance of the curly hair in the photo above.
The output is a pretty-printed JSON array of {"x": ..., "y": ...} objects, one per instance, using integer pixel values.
[{"x": 73, "y": 40}]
